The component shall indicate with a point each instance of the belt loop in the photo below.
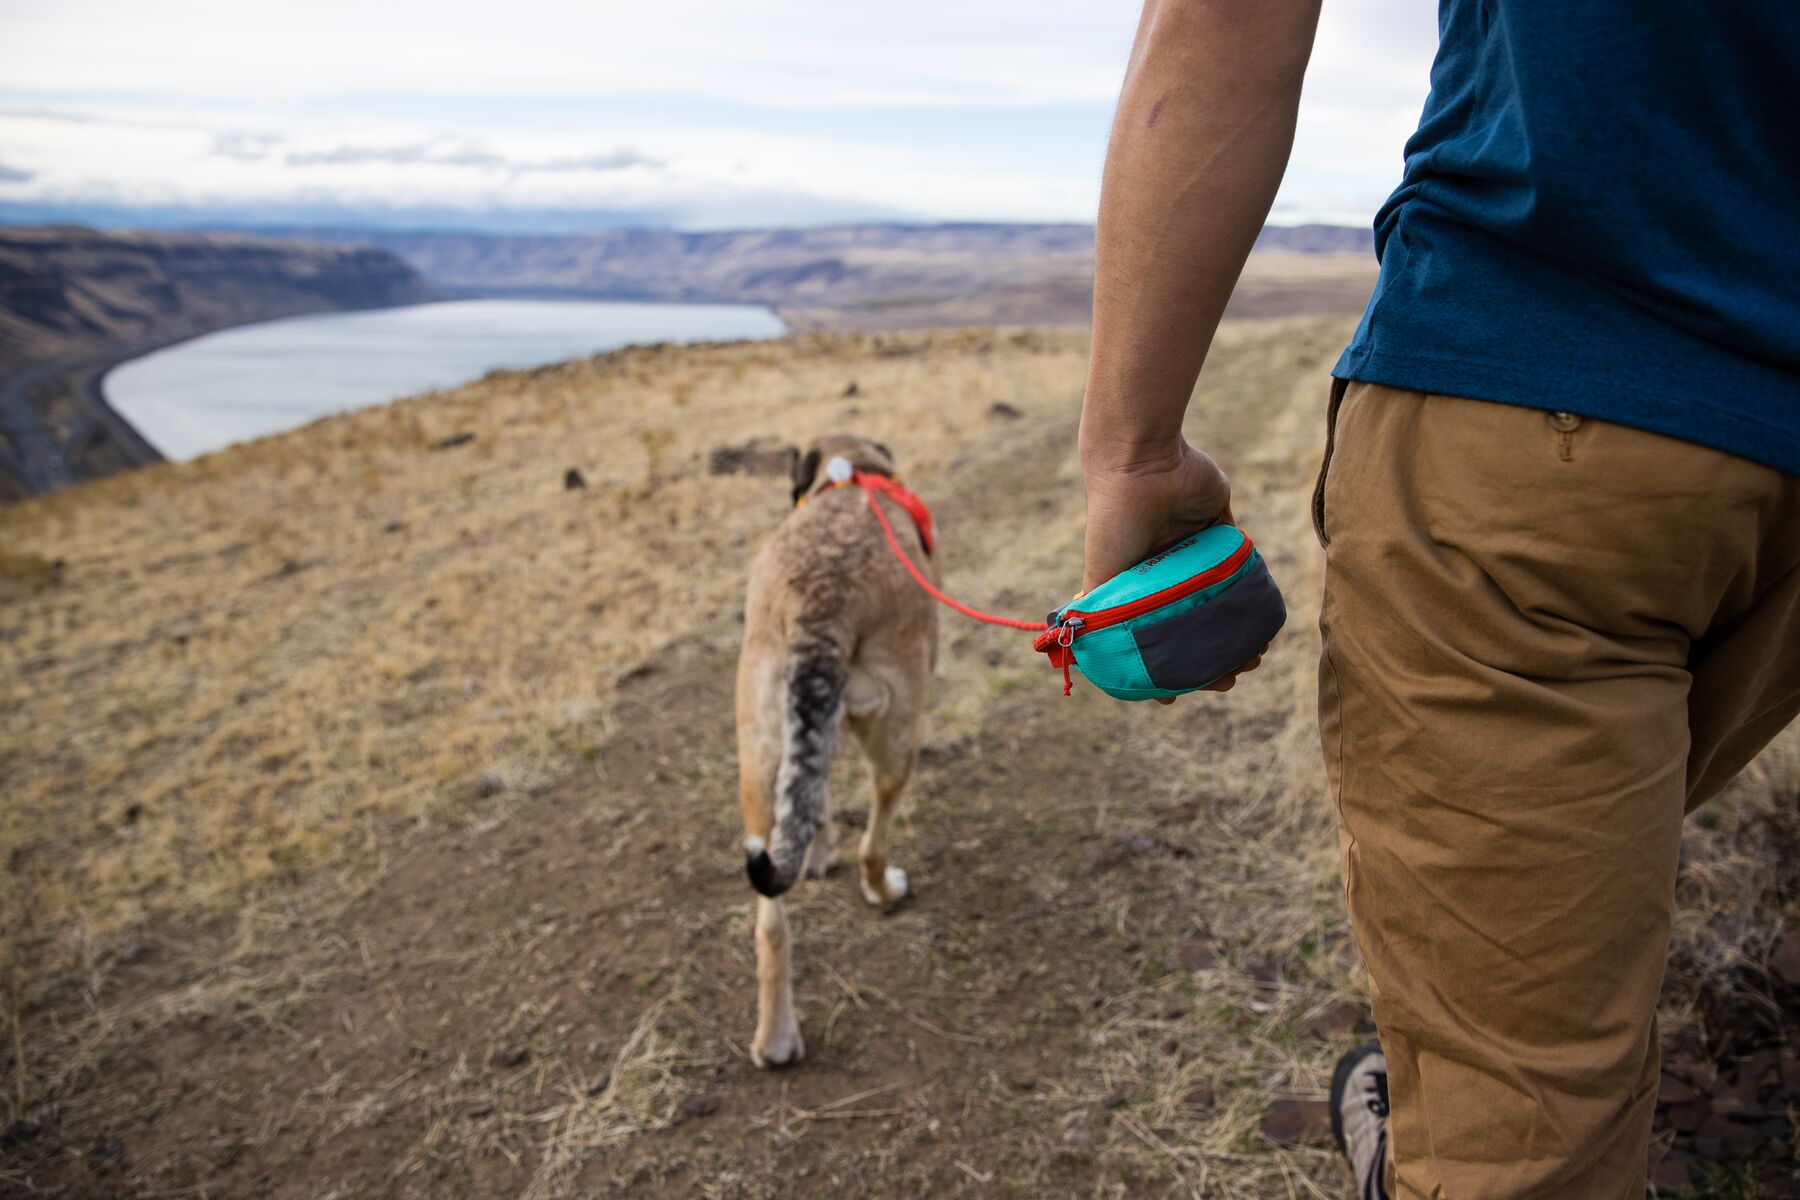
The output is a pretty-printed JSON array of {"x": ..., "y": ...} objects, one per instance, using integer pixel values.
[{"x": 1565, "y": 424}]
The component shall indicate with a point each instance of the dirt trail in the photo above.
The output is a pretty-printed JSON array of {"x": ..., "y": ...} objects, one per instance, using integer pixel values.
[{"x": 467, "y": 1026}]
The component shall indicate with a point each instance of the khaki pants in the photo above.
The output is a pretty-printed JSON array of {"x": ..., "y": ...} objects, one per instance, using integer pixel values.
[{"x": 1546, "y": 640}]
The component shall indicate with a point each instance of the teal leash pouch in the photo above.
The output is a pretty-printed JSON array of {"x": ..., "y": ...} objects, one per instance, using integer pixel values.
[{"x": 1176, "y": 622}]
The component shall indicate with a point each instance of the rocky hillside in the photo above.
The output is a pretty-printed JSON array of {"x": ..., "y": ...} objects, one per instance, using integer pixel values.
[
  {"x": 857, "y": 276},
  {"x": 65, "y": 290}
]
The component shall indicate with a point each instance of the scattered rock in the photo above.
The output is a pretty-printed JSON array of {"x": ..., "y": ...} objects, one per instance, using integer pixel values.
[
  {"x": 25, "y": 574},
  {"x": 19, "y": 1131},
  {"x": 489, "y": 784},
  {"x": 132, "y": 813},
  {"x": 1721, "y": 1139},
  {"x": 1004, "y": 411},
  {"x": 703, "y": 1105},
  {"x": 1737, "y": 1100},
  {"x": 1704, "y": 1075},
  {"x": 479, "y": 1109},
  {"x": 760, "y": 456},
  {"x": 1790, "y": 1075},
  {"x": 394, "y": 527},
  {"x": 572, "y": 479},
  {"x": 1784, "y": 960},
  {"x": 1762, "y": 1072},
  {"x": 851, "y": 390},
  {"x": 1196, "y": 954},
  {"x": 1120, "y": 850},
  {"x": 601, "y": 1084},
  {"x": 1117, "y": 1099},
  {"x": 934, "y": 753},
  {"x": 1674, "y": 1173},
  {"x": 453, "y": 441},
  {"x": 1334, "y": 1022},
  {"x": 1673, "y": 1091},
  {"x": 1291, "y": 1121},
  {"x": 508, "y": 1057},
  {"x": 1198, "y": 1098},
  {"x": 1688, "y": 1118},
  {"x": 643, "y": 670}
]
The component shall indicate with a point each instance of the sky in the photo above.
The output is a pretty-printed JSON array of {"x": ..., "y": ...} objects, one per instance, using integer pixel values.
[{"x": 555, "y": 115}]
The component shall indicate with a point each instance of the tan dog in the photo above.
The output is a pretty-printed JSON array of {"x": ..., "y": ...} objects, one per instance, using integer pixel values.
[{"x": 836, "y": 634}]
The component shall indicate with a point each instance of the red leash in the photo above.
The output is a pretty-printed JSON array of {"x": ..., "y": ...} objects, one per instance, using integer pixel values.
[
  {"x": 1050, "y": 640},
  {"x": 921, "y": 516}
]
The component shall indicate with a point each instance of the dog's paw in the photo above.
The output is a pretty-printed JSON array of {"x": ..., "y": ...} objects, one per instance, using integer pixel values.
[
  {"x": 780, "y": 1048},
  {"x": 893, "y": 885}
]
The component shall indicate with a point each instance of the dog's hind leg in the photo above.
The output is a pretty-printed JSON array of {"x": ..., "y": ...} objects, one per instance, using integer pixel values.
[
  {"x": 889, "y": 739},
  {"x": 761, "y": 685},
  {"x": 777, "y": 1037},
  {"x": 777, "y": 1028}
]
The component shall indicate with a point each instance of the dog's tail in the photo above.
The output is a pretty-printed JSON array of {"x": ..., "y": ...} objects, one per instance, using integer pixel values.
[{"x": 816, "y": 678}]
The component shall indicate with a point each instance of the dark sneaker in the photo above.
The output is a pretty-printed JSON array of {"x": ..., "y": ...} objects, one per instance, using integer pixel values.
[{"x": 1359, "y": 1109}]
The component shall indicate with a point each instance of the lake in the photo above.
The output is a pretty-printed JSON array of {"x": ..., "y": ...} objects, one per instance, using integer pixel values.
[{"x": 242, "y": 383}]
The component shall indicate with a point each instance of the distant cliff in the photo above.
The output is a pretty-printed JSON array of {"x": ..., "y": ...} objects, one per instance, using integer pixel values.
[
  {"x": 851, "y": 276},
  {"x": 66, "y": 290},
  {"x": 74, "y": 301}
]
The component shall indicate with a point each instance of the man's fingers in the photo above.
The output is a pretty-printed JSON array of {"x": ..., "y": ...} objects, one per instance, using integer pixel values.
[
  {"x": 1230, "y": 681},
  {"x": 1221, "y": 684}
]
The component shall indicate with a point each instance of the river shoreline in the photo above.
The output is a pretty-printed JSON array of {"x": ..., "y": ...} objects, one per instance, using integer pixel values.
[
  {"x": 54, "y": 414},
  {"x": 60, "y": 426}
]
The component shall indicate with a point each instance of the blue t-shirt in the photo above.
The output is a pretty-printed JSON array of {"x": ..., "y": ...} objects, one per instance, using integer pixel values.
[{"x": 1600, "y": 214}]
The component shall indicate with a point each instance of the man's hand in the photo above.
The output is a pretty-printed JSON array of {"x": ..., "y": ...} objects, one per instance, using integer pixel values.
[
  {"x": 1135, "y": 509},
  {"x": 1138, "y": 507}
]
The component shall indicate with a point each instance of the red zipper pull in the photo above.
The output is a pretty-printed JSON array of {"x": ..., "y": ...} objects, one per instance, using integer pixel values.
[{"x": 1055, "y": 642}]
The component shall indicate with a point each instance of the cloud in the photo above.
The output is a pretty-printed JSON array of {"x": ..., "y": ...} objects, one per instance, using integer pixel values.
[
  {"x": 714, "y": 111},
  {"x": 425, "y": 154},
  {"x": 245, "y": 146},
  {"x": 15, "y": 175},
  {"x": 807, "y": 54}
]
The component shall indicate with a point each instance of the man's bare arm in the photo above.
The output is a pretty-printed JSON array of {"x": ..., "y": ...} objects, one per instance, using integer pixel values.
[{"x": 1202, "y": 135}]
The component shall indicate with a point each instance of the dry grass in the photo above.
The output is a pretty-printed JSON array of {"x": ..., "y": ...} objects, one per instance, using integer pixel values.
[
  {"x": 24, "y": 574},
  {"x": 256, "y": 653},
  {"x": 266, "y": 677}
]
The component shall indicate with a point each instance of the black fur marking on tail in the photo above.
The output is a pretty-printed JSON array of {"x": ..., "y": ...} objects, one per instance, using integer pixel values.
[
  {"x": 761, "y": 869},
  {"x": 816, "y": 679}
]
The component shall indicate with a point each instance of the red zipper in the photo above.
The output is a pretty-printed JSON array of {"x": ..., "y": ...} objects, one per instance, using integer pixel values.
[{"x": 1155, "y": 600}]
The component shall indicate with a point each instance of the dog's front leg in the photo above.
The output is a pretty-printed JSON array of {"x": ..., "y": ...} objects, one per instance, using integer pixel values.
[{"x": 777, "y": 1028}]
